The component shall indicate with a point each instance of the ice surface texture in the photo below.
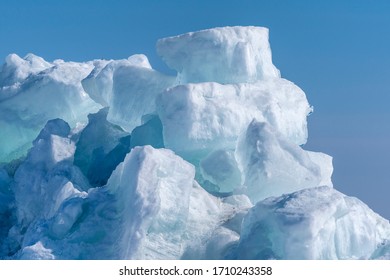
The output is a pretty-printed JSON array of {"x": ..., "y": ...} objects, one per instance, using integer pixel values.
[
  {"x": 272, "y": 165},
  {"x": 33, "y": 91},
  {"x": 317, "y": 223},
  {"x": 222, "y": 55},
  {"x": 114, "y": 160},
  {"x": 129, "y": 87}
]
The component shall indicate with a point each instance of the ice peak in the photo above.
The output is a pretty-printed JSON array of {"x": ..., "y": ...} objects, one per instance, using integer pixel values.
[
  {"x": 16, "y": 69},
  {"x": 140, "y": 60}
]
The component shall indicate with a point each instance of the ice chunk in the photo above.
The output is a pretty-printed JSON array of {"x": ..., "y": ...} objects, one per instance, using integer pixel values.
[
  {"x": 44, "y": 179},
  {"x": 38, "y": 96},
  {"x": 223, "y": 55},
  {"x": 99, "y": 83},
  {"x": 154, "y": 188},
  {"x": 129, "y": 87},
  {"x": 140, "y": 214},
  {"x": 200, "y": 118},
  {"x": 273, "y": 166},
  {"x": 151, "y": 208},
  {"x": 36, "y": 252},
  {"x": 233, "y": 127},
  {"x": 324, "y": 161},
  {"x": 317, "y": 223},
  {"x": 17, "y": 69},
  {"x": 100, "y": 148}
]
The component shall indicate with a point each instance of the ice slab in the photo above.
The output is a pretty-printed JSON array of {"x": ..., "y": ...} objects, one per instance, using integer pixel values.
[
  {"x": 271, "y": 165},
  {"x": 316, "y": 223},
  {"x": 223, "y": 55},
  {"x": 129, "y": 87},
  {"x": 208, "y": 116}
]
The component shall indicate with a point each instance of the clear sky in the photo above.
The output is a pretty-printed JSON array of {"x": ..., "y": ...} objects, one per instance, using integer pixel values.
[{"x": 336, "y": 51}]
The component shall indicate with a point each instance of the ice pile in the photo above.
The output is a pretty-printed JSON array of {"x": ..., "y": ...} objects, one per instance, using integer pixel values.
[
  {"x": 114, "y": 160},
  {"x": 33, "y": 91}
]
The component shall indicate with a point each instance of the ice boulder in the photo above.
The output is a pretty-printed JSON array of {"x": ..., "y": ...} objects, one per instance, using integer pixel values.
[
  {"x": 151, "y": 208},
  {"x": 171, "y": 167},
  {"x": 47, "y": 177},
  {"x": 316, "y": 223},
  {"x": 153, "y": 188},
  {"x": 271, "y": 165},
  {"x": 99, "y": 83},
  {"x": 37, "y": 91},
  {"x": 141, "y": 213},
  {"x": 200, "y": 118},
  {"x": 36, "y": 251},
  {"x": 129, "y": 87},
  {"x": 164, "y": 213},
  {"x": 100, "y": 148},
  {"x": 222, "y": 55}
]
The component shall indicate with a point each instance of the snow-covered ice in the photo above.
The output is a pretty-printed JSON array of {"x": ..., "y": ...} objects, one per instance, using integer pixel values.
[
  {"x": 129, "y": 87},
  {"x": 111, "y": 159},
  {"x": 33, "y": 91},
  {"x": 205, "y": 116},
  {"x": 316, "y": 223},
  {"x": 272, "y": 166},
  {"x": 222, "y": 55}
]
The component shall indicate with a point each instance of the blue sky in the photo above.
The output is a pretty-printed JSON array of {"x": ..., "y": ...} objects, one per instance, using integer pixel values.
[{"x": 336, "y": 51}]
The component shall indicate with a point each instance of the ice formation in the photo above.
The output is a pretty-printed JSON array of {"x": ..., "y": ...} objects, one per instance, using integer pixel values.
[
  {"x": 129, "y": 87},
  {"x": 115, "y": 160},
  {"x": 33, "y": 91},
  {"x": 222, "y": 55},
  {"x": 316, "y": 223},
  {"x": 271, "y": 165}
]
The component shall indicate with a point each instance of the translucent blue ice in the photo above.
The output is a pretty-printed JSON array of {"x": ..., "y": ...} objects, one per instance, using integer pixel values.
[{"x": 207, "y": 164}]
